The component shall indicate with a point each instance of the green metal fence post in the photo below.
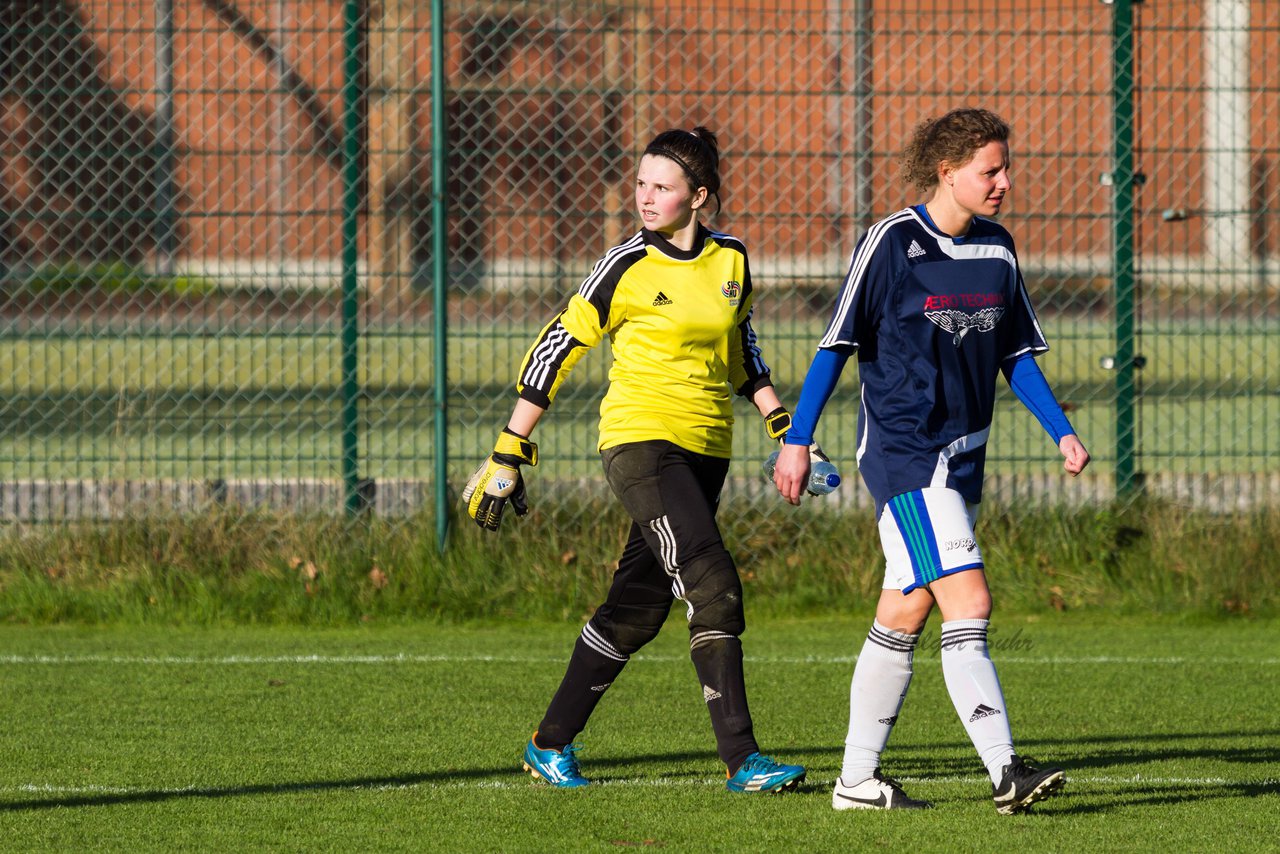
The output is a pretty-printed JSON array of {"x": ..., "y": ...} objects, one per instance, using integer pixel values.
[
  {"x": 1123, "y": 190},
  {"x": 439, "y": 268},
  {"x": 165, "y": 189},
  {"x": 351, "y": 256}
]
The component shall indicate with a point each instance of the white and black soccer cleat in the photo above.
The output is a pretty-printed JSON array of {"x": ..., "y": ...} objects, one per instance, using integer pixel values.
[
  {"x": 1021, "y": 785},
  {"x": 877, "y": 792}
]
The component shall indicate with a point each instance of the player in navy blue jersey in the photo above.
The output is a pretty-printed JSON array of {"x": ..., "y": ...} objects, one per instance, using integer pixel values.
[{"x": 935, "y": 307}]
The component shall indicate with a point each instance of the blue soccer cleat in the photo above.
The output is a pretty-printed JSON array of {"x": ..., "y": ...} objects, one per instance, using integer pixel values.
[
  {"x": 761, "y": 774},
  {"x": 557, "y": 767}
]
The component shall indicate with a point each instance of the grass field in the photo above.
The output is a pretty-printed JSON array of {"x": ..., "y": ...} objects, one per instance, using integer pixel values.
[{"x": 407, "y": 737}]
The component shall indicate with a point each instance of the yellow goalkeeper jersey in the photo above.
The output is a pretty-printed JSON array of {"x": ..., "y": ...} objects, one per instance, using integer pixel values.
[{"x": 680, "y": 328}]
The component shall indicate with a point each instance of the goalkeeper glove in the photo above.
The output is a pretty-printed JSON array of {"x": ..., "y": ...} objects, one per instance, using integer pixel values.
[
  {"x": 498, "y": 481},
  {"x": 777, "y": 423}
]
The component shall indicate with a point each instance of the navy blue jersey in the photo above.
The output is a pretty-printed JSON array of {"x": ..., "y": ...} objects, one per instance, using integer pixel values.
[{"x": 932, "y": 319}]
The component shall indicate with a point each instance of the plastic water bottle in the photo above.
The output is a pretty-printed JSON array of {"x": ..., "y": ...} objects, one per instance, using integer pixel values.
[{"x": 823, "y": 476}]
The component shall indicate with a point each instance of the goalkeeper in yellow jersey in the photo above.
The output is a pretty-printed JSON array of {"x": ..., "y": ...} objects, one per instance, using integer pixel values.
[{"x": 675, "y": 300}]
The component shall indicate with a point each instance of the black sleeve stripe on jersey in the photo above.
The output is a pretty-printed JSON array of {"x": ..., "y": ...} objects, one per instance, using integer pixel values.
[
  {"x": 597, "y": 272},
  {"x": 599, "y": 286},
  {"x": 751, "y": 386},
  {"x": 606, "y": 264},
  {"x": 535, "y": 396},
  {"x": 728, "y": 241},
  {"x": 547, "y": 357},
  {"x": 862, "y": 256},
  {"x": 755, "y": 359}
]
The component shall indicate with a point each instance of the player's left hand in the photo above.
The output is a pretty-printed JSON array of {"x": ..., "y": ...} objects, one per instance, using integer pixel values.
[{"x": 1074, "y": 455}]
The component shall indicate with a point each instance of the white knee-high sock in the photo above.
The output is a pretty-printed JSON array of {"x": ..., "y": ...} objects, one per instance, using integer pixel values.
[
  {"x": 975, "y": 692},
  {"x": 879, "y": 685}
]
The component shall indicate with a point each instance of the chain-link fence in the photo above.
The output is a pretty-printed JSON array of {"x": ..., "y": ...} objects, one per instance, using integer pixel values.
[{"x": 291, "y": 252}]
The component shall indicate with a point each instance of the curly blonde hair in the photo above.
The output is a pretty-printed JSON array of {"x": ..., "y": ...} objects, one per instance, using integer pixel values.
[{"x": 951, "y": 138}]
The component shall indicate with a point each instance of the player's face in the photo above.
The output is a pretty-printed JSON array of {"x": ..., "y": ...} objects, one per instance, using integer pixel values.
[
  {"x": 665, "y": 201},
  {"x": 979, "y": 186}
]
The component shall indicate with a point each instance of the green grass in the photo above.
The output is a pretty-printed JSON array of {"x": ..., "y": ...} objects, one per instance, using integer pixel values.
[{"x": 407, "y": 738}]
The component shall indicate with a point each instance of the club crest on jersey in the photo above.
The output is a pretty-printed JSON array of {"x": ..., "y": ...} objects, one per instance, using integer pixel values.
[
  {"x": 731, "y": 289},
  {"x": 959, "y": 323}
]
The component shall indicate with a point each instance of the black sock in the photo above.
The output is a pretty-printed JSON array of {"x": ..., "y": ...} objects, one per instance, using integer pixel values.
[
  {"x": 718, "y": 661},
  {"x": 587, "y": 677}
]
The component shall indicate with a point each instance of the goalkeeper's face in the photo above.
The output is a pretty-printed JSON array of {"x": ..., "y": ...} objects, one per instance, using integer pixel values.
[{"x": 665, "y": 201}]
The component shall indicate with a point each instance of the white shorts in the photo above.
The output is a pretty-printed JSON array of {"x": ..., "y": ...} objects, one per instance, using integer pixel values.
[{"x": 927, "y": 534}]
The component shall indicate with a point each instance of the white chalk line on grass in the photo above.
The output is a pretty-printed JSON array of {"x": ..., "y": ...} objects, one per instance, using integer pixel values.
[
  {"x": 407, "y": 658},
  {"x": 92, "y": 790}
]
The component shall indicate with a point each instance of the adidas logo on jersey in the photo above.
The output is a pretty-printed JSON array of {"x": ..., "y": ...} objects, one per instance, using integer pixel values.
[
  {"x": 709, "y": 693},
  {"x": 983, "y": 711},
  {"x": 662, "y": 299},
  {"x": 914, "y": 250}
]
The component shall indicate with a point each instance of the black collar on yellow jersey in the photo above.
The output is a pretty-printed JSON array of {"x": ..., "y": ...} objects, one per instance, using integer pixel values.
[{"x": 666, "y": 247}]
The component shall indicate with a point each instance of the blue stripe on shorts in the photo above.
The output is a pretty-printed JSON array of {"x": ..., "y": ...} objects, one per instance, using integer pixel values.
[{"x": 911, "y": 515}]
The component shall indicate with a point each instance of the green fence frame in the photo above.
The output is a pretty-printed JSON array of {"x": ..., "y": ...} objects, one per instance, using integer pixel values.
[
  {"x": 317, "y": 393},
  {"x": 1123, "y": 181}
]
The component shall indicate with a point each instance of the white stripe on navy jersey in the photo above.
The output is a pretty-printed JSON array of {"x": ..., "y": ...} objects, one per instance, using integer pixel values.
[
  {"x": 963, "y": 445},
  {"x": 866, "y": 422},
  {"x": 975, "y": 251},
  {"x": 862, "y": 256}
]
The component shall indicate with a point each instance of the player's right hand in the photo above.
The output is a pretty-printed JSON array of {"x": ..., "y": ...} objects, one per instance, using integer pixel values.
[
  {"x": 498, "y": 480},
  {"x": 791, "y": 472}
]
